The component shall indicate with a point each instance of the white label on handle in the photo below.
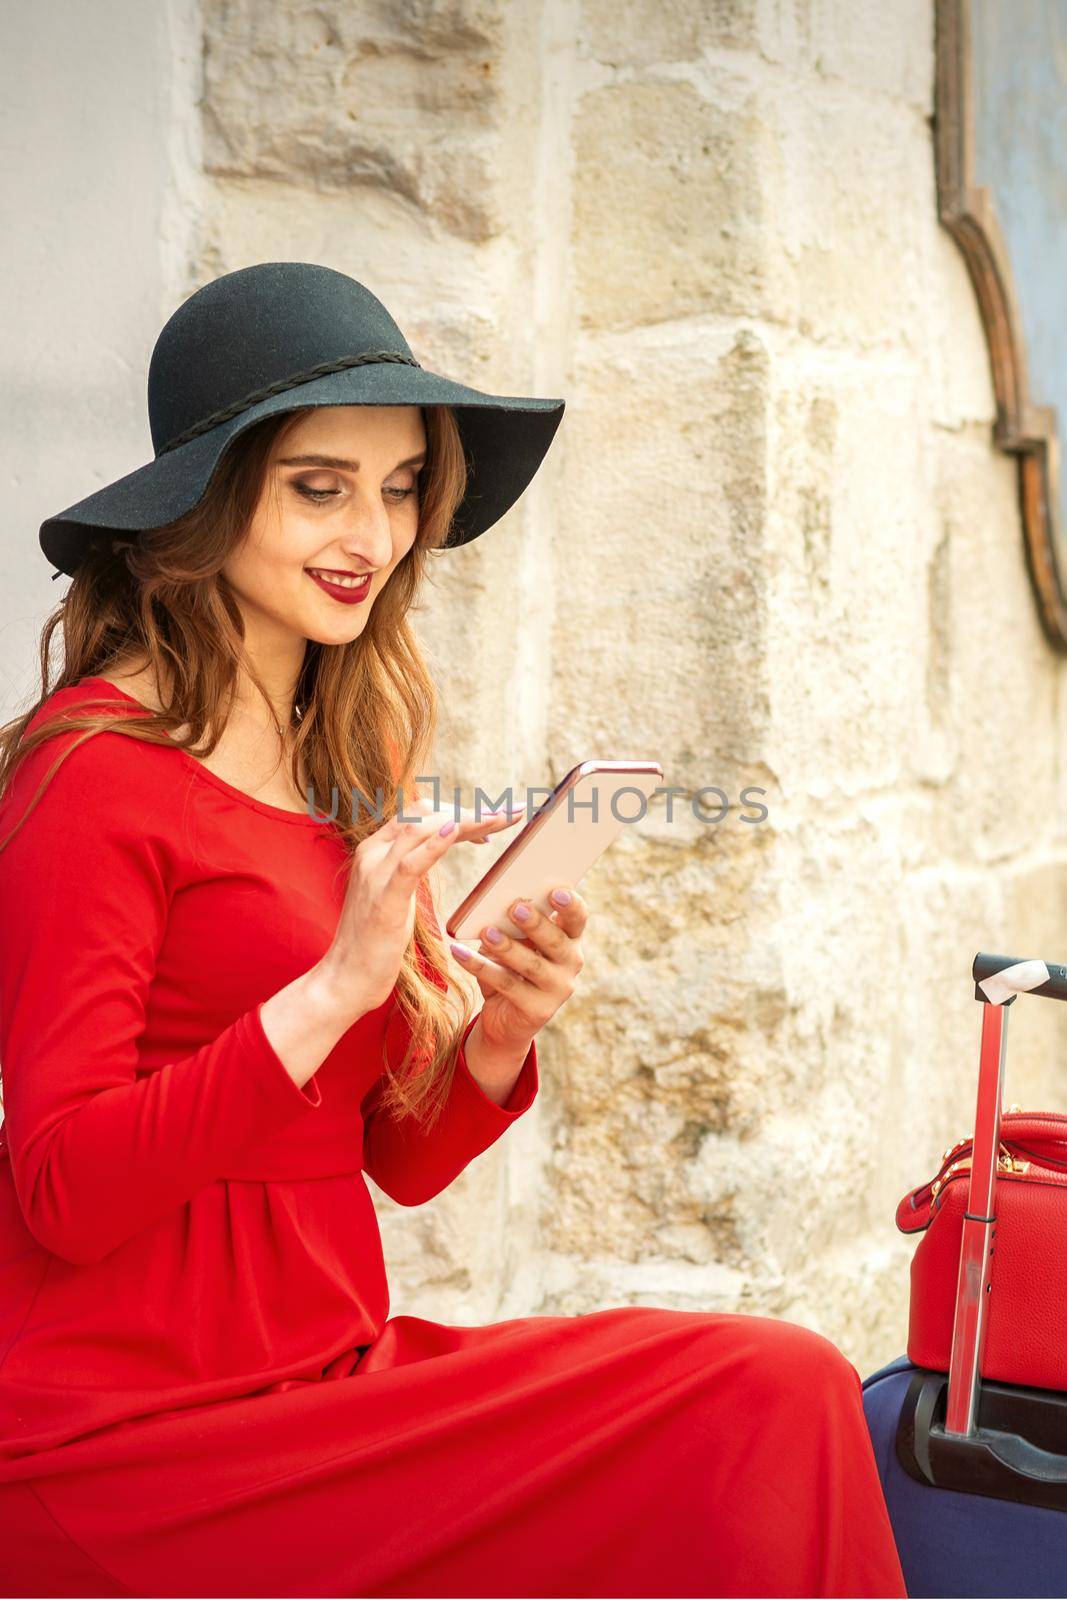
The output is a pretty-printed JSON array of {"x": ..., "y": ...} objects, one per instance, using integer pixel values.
[{"x": 1018, "y": 979}]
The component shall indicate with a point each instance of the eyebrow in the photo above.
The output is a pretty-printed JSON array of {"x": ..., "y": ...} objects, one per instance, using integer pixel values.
[{"x": 344, "y": 464}]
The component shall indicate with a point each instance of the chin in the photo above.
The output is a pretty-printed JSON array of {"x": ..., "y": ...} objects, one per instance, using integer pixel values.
[{"x": 340, "y": 633}]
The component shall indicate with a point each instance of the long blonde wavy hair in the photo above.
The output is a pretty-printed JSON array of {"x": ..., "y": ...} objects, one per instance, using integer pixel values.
[{"x": 364, "y": 714}]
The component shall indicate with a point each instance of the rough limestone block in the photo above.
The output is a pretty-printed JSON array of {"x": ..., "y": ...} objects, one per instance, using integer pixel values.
[
  {"x": 847, "y": 191},
  {"x": 644, "y": 31},
  {"x": 661, "y": 544},
  {"x": 668, "y": 204},
  {"x": 886, "y": 50},
  {"x": 398, "y": 97}
]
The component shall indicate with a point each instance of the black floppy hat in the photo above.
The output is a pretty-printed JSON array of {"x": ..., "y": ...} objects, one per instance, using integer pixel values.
[{"x": 276, "y": 337}]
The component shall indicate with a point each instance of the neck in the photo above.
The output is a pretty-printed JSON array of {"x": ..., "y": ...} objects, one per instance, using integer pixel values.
[
  {"x": 280, "y": 691},
  {"x": 277, "y": 658}
]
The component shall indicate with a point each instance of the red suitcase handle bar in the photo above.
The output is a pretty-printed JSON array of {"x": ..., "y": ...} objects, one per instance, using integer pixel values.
[{"x": 998, "y": 981}]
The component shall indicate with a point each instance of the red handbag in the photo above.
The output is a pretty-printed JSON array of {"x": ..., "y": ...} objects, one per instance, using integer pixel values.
[{"x": 1025, "y": 1340}]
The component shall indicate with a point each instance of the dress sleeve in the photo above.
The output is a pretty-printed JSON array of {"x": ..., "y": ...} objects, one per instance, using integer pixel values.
[
  {"x": 97, "y": 1152},
  {"x": 411, "y": 1165}
]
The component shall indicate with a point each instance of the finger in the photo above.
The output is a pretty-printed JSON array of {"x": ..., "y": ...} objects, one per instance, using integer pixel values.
[
  {"x": 417, "y": 820},
  {"x": 553, "y": 977},
  {"x": 526, "y": 997},
  {"x": 553, "y": 938},
  {"x": 419, "y": 844},
  {"x": 418, "y": 841},
  {"x": 414, "y": 808},
  {"x": 571, "y": 918},
  {"x": 506, "y": 820},
  {"x": 486, "y": 826},
  {"x": 486, "y": 823},
  {"x": 477, "y": 824}
]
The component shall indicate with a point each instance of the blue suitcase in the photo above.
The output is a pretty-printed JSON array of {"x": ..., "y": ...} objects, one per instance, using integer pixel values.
[
  {"x": 975, "y": 1473},
  {"x": 952, "y": 1542}
]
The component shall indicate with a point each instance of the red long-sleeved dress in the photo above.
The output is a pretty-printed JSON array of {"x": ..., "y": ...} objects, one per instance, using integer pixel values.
[{"x": 202, "y": 1391}]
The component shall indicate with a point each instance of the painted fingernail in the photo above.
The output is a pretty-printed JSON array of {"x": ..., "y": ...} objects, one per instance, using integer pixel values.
[
  {"x": 461, "y": 952},
  {"x": 447, "y": 828},
  {"x": 561, "y": 897},
  {"x": 522, "y": 913},
  {"x": 494, "y": 935}
]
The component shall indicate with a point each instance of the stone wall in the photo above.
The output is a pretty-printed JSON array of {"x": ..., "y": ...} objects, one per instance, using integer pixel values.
[{"x": 772, "y": 547}]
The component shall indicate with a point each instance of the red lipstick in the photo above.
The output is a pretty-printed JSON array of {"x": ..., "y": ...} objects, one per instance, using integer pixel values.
[{"x": 348, "y": 594}]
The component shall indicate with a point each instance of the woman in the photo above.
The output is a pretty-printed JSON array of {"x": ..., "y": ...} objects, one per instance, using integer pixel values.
[{"x": 220, "y": 1005}]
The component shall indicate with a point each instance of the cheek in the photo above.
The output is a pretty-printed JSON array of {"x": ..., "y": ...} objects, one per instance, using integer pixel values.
[
  {"x": 286, "y": 542},
  {"x": 405, "y": 538},
  {"x": 269, "y": 563}
]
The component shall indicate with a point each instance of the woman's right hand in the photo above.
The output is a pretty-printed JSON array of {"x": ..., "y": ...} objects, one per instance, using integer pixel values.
[{"x": 362, "y": 964}]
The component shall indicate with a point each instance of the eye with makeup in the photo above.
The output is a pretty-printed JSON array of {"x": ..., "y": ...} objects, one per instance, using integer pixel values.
[{"x": 323, "y": 496}]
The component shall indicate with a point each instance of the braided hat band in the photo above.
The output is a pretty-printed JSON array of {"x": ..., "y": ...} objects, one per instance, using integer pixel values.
[{"x": 268, "y": 390}]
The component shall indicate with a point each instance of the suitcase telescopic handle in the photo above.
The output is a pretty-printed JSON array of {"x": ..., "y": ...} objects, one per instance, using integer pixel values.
[{"x": 998, "y": 979}]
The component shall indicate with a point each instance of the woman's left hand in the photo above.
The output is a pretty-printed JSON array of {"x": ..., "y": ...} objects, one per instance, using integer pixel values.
[{"x": 525, "y": 981}]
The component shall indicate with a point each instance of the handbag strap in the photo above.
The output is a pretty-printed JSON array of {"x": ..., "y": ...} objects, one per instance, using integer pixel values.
[{"x": 1028, "y": 1138}]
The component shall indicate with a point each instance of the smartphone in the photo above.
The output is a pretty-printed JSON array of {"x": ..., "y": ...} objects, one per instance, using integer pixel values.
[{"x": 586, "y": 811}]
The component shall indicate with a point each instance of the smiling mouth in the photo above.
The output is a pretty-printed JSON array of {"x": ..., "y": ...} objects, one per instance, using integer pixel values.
[
  {"x": 342, "y": 580},
  {"x": 346, "y": 591}
]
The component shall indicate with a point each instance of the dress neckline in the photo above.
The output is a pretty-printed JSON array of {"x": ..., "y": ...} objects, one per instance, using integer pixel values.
[{"x": 301, "y": 818}]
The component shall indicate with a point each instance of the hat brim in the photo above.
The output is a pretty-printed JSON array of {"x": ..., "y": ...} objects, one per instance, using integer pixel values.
[{"x": 505, "y": 439}]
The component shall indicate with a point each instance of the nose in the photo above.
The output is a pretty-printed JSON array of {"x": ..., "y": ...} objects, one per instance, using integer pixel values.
[{"x": 368, "y": 537}]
